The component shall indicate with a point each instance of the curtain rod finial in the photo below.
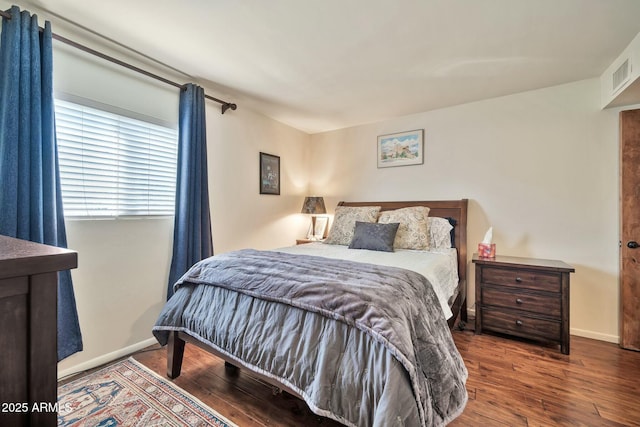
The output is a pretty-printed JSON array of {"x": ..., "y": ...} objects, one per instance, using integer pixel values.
[{"x": 227, "y": 106}]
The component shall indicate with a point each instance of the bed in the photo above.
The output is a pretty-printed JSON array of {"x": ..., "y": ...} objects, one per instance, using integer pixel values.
[{"x": 328, "y": 329}]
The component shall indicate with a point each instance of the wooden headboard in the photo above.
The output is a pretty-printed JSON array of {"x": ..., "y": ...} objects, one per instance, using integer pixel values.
[{"x": 456, "y": 209}]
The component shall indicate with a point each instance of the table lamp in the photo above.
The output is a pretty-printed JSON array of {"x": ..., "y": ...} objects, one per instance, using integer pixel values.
[{"x": 313, "y": 205}]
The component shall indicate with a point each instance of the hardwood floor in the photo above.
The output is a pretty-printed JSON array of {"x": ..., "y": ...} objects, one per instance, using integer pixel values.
[
  {"x": 511, "y": 383},
  {"x": 234, "y": 394}
]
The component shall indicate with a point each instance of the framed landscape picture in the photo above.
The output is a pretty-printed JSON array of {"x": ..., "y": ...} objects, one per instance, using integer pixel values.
[
  {"x": 401, "y": 149},
  {"x": 269, "y": 174}
]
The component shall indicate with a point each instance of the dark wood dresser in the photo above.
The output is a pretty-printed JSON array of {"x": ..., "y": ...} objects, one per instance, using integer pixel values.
[
  {"x": 28, "y": 330},
  {"x": 523, "y": 297}
]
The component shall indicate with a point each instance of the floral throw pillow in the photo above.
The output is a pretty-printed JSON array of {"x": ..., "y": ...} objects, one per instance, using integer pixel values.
[
  {"x": 439, "y": 233},
  {"x": 413, "y": 232},
  {"x": 344, "y": 222}
]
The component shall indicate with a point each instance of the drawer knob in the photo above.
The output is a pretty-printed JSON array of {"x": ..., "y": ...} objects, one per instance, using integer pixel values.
[
  {"x": 519, "y": 322},
  {"x": 518, "y": 301},
  {"x": 518, "y": 279}
]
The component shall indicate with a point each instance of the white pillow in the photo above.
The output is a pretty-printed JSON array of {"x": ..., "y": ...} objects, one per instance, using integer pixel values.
[{"x": 439, "y": 233}]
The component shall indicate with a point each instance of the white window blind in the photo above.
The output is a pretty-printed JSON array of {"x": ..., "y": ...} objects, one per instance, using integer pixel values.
[{"x": 111, "y": 165}]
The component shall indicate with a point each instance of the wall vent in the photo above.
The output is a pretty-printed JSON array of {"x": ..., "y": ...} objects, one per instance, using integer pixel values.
[{"x": 621, "y": 75}]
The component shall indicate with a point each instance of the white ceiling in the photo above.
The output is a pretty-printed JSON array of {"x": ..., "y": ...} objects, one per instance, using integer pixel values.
[{"x": 319, "y": 65}]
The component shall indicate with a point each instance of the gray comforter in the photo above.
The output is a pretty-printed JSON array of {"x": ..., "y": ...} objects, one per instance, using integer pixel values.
[{"x": 388, "y": 360}]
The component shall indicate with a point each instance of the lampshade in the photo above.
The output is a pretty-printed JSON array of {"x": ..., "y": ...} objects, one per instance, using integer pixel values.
[{"x": 313, "y": 205}]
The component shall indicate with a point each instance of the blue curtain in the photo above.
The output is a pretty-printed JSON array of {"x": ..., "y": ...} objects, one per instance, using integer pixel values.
[
  {"x": 30, "y": 198},
  {"x": 192, "y": 239}
]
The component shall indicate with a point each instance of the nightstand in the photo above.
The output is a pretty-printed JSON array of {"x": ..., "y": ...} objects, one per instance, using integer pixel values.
[
  {"x": 303, "y": 241},
  {"x": 523, "y": 297}
]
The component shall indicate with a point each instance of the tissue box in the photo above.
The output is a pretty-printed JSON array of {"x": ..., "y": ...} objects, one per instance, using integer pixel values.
[{"x": 487, "y": 250}]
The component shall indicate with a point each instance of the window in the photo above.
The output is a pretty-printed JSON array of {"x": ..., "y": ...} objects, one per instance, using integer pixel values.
[{"x": 111, "y": 165}]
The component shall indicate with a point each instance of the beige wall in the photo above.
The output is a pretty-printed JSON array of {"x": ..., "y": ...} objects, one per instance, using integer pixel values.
[{"x": 541, "y": 167}]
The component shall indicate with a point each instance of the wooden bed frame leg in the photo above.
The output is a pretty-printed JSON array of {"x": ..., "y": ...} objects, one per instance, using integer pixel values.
[
  {"x": 230, "y": 367},
  {"x": 463, "y": 311},
  {"x": 463, "y": 316},
  {"x": 175, "y": 352}
]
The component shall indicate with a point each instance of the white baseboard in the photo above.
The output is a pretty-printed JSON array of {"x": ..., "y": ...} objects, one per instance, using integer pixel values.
[
  {"x": 106, "y": 358},
  {"x": 595, "y": 335}
]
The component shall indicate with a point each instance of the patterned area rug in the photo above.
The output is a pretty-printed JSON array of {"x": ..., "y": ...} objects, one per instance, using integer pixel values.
[{"x": 128, "y": 394}]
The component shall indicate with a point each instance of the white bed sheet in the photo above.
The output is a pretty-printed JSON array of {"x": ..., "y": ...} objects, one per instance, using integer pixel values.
[{"x": 440, "y": 268}]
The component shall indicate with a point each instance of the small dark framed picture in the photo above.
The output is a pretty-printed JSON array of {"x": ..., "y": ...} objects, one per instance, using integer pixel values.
[{"x": 269, "y": 174}]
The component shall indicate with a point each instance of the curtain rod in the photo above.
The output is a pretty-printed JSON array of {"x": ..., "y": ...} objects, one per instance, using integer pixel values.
[{"x": 225, "y": 105}]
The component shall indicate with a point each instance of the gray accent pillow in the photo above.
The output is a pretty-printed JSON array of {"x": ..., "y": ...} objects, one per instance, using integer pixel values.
[{"x": 374, "y": 236}]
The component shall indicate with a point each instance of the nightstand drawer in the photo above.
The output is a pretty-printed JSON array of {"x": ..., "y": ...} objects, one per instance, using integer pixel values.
[
  {"x": 548, "y": 305},
  {"x": 521, "y": 278},
  {"x": 515, "y": 323}
]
